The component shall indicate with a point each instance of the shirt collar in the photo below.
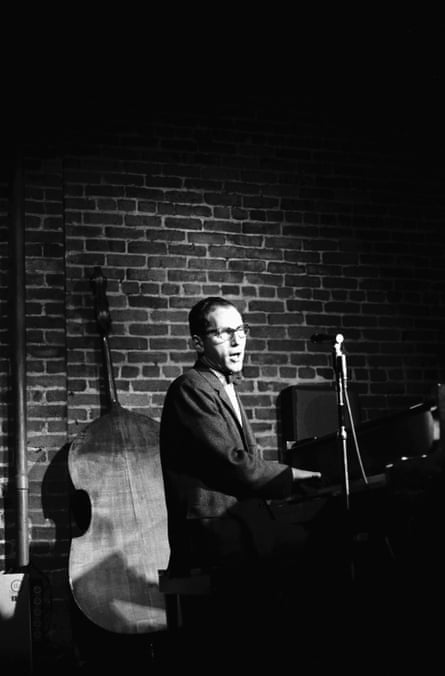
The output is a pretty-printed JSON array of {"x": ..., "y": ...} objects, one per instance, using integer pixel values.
[{"x": 225, "y": 378}]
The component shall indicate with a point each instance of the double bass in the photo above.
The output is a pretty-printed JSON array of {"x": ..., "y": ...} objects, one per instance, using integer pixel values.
[{"x": 114, "y": 464}]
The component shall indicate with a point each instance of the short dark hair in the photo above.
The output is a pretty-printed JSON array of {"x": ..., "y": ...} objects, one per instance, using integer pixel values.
[{"x": 198, "y": 315}]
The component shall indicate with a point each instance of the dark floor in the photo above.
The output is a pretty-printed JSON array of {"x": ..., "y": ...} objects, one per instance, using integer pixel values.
[
  {"x": 370, "y": 628},
  {"x": 348, "y": 654},
  {"x": 381, "y": 617}
]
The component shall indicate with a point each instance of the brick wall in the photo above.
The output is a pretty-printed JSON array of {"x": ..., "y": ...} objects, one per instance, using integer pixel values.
[{"x": 307, "y": 223}]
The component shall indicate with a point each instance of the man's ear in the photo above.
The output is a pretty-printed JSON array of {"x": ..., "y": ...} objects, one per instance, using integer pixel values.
[{"x": 198, "y": 344}]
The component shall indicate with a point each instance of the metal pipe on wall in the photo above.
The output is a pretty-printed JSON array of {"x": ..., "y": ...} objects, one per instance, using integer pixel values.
[{"x": 18, "y": 354}]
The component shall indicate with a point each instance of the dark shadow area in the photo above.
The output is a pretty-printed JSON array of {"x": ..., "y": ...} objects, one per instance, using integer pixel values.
[
  {"x": 367, "y": 599},
  {"x": 382, "y": 612},
  {"x": 100, "y": 651}
]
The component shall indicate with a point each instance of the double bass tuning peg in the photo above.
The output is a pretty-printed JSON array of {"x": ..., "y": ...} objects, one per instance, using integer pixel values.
[{"x": 99, "y": 285}]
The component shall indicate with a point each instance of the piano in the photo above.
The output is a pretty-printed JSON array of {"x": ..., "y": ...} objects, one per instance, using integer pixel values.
[
  {"x": 383, "y": 443},
  {"x": 399, "y": 496}
]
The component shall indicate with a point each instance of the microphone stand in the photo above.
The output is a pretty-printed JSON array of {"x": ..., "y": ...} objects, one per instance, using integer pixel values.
[{"x": 341, "y": 379}]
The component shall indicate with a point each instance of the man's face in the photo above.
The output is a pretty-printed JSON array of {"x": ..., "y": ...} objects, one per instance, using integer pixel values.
[{"x": 227, "y": 355}]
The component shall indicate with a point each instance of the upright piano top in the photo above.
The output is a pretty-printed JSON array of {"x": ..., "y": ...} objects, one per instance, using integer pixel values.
[{"x": 382, "y": 441}]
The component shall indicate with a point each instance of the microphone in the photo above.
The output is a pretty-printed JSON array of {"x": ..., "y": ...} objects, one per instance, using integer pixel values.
[{"x": 326, "y": 338}]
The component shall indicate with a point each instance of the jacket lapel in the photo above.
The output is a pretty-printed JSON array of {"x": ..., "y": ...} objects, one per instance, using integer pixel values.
[{"x": 214, "y": 381}]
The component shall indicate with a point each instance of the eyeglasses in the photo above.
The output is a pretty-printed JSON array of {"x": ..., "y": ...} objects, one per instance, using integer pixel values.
[{"x": 221, "y": 335}]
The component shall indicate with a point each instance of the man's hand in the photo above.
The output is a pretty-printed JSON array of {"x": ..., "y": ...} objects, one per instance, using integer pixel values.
[{"x": 302, "y": 474}]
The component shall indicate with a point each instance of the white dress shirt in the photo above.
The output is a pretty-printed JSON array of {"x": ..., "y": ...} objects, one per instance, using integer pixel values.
[{"x": 230, "y": 389}]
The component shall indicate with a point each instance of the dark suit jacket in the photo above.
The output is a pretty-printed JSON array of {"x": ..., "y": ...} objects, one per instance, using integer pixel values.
[{"x": 215, "y": 480}]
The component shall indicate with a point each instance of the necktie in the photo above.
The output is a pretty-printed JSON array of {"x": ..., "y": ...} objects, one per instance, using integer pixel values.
[{"x": 232, "y": 378}]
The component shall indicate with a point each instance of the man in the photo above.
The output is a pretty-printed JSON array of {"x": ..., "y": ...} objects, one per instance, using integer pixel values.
[{"x": 216, "y": 482}]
